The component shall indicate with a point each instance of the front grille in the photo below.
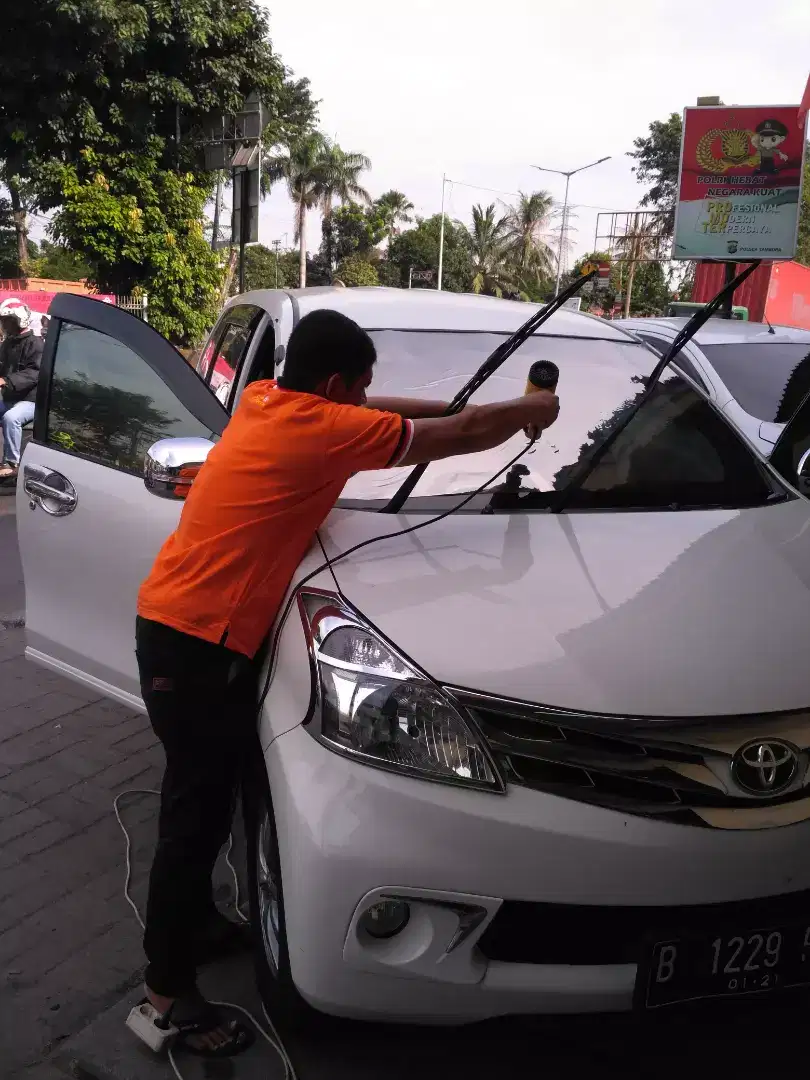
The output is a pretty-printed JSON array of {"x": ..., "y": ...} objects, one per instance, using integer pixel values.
[
  {"x": 679, "y": 770},
  {"x": 526, "y": 933}
]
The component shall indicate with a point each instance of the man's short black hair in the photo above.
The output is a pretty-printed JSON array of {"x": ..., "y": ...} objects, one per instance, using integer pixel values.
[{"x": 326, "y": 343}]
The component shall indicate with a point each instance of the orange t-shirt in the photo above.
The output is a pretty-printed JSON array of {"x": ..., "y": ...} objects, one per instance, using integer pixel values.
[{"x": 251, "y": 514}]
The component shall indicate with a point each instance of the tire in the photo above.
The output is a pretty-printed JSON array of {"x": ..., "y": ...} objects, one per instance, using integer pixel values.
[
  {"x": 796, "y": 388},
  {"x": 267, "y": 923}
]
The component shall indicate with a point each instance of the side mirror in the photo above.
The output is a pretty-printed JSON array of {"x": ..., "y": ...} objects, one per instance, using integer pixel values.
[
  {"x": 803, "y": 473},
  {"x": 172, "y": 464}
]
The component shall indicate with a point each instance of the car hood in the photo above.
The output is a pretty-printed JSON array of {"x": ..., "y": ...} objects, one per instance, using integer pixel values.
[{"x": 675, "y": 614}]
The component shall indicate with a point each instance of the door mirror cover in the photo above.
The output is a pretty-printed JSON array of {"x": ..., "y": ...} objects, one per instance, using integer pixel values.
[{"x": 172, "y": 464}]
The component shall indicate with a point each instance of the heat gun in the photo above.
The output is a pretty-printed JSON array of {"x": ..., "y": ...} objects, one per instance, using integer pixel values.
[{"x": 543, "y": 375}]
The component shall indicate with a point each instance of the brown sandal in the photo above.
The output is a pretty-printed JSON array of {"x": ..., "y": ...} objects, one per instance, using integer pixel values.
[{"x": 8, "y": 471}]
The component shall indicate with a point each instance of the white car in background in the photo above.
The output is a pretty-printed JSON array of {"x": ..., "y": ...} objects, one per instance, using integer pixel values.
[
  {"x": 754, "y": 372},
  {"x": 548, "y": 754}
]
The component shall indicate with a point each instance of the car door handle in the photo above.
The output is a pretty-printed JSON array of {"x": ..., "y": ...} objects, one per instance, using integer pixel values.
[{"x": 49, "y": 490}]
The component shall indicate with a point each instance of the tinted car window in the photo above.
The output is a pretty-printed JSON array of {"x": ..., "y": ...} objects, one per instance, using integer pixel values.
[
  {"x": 757, "y": 374},
  {"x": 108, "y": 405},
  {"x": 225, "y": 351},
  {"x": 682, "y": 361},
  {"x": 676, "y": 452}
]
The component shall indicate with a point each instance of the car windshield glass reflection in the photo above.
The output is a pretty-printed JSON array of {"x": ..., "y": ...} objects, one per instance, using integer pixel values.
[{"x": 598, "y": 377}]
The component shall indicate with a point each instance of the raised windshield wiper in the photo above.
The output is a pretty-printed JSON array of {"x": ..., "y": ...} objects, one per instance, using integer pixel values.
[
  {"x": 685, "y": 335},
  {"x": 489, "y": 367}
]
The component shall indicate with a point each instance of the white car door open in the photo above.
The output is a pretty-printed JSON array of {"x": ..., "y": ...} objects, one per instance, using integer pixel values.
[{"x": 110, "y": 387}]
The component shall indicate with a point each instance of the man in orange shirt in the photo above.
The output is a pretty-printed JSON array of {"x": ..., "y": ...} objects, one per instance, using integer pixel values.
[{"x": 215, "y": 590}]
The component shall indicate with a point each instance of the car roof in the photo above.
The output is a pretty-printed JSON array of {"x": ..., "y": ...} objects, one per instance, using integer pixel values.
[
  {"x": 428, "y": 309},
  {"x": 723, "y": 331}
]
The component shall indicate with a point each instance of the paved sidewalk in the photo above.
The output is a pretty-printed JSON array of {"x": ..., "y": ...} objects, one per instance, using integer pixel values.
[{"x": 69, "y": 945}]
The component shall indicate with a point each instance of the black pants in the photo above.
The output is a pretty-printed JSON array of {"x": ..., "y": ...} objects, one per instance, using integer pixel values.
[{"x": 202, "y": 703}]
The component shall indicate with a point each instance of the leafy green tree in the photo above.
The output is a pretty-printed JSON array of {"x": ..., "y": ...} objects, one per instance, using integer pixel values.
[
  {"x": 355, "y": 270},
  {"x": 351, "y": 230},
  {"x": 150, "y": 73},
  {"x": 651, "y": 292},
  {"x": 394, "y": 207},
  {"x": 341, "y": 183},
  {"x": 492, "y": 273},
  {"x": 138, "y": 223},
  {"x": 268, "y": 269},
  {"x": 803, "y": 246},
  {"x": 9, "y": 256},
  {"x": 526, "y": 232},
  {"x": 657, "y": 158},
  {"x": 418, "y": 248},
  {"x": 317, "y": 172},
  {"x": 58, "y": 261}
]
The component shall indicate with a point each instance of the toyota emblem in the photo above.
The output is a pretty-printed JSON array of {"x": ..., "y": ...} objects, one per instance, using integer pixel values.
[{"x": 765, "y": 768}]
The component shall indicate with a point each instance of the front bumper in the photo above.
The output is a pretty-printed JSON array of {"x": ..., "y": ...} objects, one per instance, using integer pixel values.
[{"x": 349, "y": 833}]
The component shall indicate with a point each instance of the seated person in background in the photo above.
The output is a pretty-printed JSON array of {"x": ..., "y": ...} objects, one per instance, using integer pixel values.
[{"x": 20, "y": 356}]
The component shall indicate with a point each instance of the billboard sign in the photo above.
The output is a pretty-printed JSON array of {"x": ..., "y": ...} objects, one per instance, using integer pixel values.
[{"x": 739, "y": 186}]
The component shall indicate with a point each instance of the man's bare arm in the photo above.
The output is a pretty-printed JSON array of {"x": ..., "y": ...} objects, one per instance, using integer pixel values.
[
  {"x": 479, "y": 428},
  {"x": 409, "y": 408}
]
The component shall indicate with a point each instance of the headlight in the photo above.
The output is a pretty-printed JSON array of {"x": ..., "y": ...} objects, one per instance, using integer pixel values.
[{"x": 376, "y": 706}]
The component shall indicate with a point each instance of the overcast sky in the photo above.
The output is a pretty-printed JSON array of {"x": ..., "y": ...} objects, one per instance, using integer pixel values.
[{"x": 483, "y": 91}]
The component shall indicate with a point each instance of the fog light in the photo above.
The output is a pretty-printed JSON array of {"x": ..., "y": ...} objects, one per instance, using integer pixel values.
[{"x": 386, "y": 918}]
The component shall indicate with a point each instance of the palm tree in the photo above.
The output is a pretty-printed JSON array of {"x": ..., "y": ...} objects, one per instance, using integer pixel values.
[
  {"x": 489, "y": 252},
  {"x": 394, "y": 207},
  {"x": 303, "y": 168},
  {"x": 341, "y": 181},
  {"x": 526, "y": 232}
]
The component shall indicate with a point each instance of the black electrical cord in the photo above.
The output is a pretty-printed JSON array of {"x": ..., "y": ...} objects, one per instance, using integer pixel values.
[
  {"x": 364, "y": 544},
  {"x": 684, "y": 335},
  {"x": 489, "y": 367}
]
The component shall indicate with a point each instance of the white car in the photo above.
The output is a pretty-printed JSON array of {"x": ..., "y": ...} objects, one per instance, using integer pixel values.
[
  {"x": 754, "y": 372},
  {"x": 548, "y": 754}
]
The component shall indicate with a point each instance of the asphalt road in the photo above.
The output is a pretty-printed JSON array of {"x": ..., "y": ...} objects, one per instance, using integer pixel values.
[{"x": 12, "y": 591}]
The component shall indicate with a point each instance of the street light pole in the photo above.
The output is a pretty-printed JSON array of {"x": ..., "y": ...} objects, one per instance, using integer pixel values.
[
  {"x": 564, "y": 223},
  {"x": 441, "y": 238}
]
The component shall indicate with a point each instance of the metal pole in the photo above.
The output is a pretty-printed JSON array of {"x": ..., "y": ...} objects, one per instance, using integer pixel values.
[
  {"x": 410, "y": 277},
  {"x": 728, "y": 302},
  {"x": 215, "y": 226},
  {"x": 243, "y": 222},
  {"x": 562, "y": 235},
  {"x": 441, "y": 238}
]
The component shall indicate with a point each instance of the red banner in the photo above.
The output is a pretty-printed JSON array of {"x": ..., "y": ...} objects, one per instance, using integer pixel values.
[{"x": 40, "y": 301}]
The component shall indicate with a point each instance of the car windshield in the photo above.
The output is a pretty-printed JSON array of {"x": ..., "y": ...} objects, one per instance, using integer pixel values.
[
  {"x": 597, "y": 377},
  {"x": 757, "y": 373}
]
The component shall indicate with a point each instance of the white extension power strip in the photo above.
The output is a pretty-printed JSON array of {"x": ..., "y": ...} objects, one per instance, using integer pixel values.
[{"x": 143, "y": 1019}]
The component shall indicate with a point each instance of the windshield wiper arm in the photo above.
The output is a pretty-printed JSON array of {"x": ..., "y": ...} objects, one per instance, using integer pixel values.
[
  {"x": 682, "y": 338},
  {"x": 489, "y": 367}
]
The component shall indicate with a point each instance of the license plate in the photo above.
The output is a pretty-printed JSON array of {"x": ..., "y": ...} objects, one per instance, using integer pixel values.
[{"x": 724, "y": 965}]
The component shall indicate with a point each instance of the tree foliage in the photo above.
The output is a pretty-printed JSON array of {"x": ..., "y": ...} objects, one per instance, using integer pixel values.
[
  {"x": 352, "y": 230},
  {"x": 492, "y": 271},
  {"x": 116, "y": 92},
  {"x": 59, "y": 262},
  {"x": 393, "y": 207},
  {"x": 138, "y": 224},
  {"x": 419, "y": 248},
  {"x": 803, "y": 246},
  {"x": 657, "y": 158},
  {"x": 317, "y": 173},
  {"x": 261, "y": 264},
  {"x": 355, "y": 270}
]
